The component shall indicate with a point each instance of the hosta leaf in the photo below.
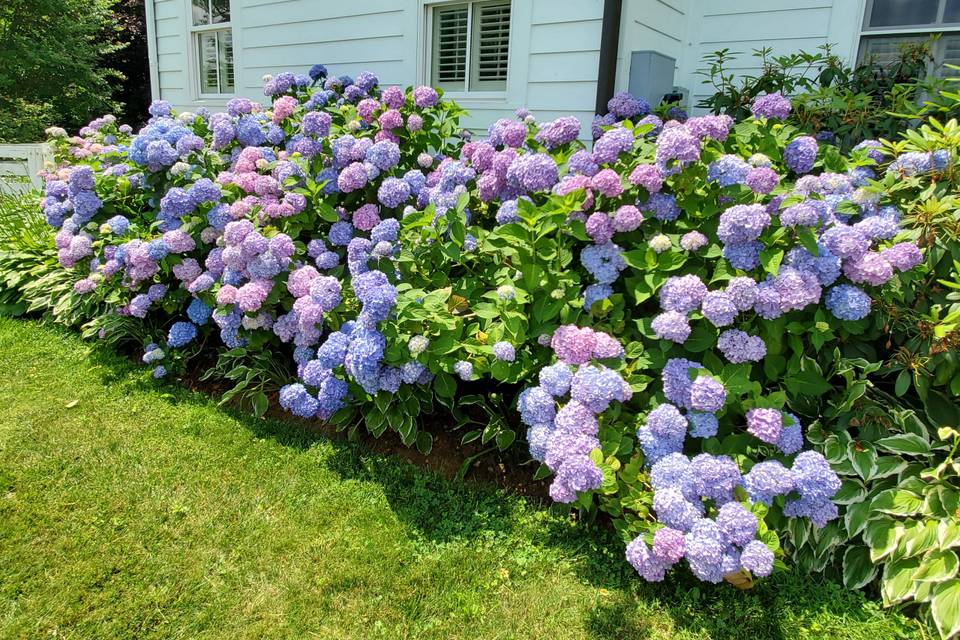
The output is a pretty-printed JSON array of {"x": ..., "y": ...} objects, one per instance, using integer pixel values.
[
  {"x": 898, "y": 584},
  {"x": 888, "y": 466},
  {"x": 897, "y": 502},
  {"x": 851, "y": 492},
  {"x": 858, "y": 569},
  {"x": 905, "y": 444},
  {"x": 948, "y": 534},
  {"x": 945, "y": 608},
  {"x": 855, "y": 519},
  {"x": 937, "y": 566},
  {"x": 864, "y": 460},
  {"x": 918, "y": 538},
  {"x": 882, "y": 536}
]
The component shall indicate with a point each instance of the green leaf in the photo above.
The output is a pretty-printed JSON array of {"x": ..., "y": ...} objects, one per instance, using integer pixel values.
[
  {"x": 918, "y": 538},
  {"x": 898, "y": 502},
  {"x": 864, "y": 460},
  {"x": 903, "y": 382},
  {"x": 882, "y": 535},
  {"x": 945, "y": 608},
  {"x": 445, "y": 385},
  {"x": 855, "y": 519},
  {"x": 904, "y": 444},
  {"x": 898, "y": 584},
  {"x": 260, "y": 404},
  {"x": 858, "y": 570},
  {"x": 851, "y": 491},
  {"x": 424, "y": 443},
  {"x": 937, "y": 566},
  {"x": 809, "y": 382},
  {"x": 948, "y": 534},
  {"x": 770, "y": 260},
  {"x": 701, "y": 338}
]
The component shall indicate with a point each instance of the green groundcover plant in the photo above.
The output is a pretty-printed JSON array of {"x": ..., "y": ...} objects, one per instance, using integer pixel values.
[{"x": 687, "y": 314}]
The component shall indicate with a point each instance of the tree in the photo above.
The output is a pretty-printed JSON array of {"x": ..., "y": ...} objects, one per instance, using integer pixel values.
[{"x": 51, "y": 64}]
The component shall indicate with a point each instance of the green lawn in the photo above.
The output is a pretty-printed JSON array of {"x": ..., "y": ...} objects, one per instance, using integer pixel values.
[{"x": 134, "y": 509}]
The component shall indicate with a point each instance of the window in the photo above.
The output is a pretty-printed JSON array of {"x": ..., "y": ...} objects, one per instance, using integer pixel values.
[
  {"x": 213, "y": 42},
  {"x": 889, "y": 24},
  {"x": 470, "y": 46}
]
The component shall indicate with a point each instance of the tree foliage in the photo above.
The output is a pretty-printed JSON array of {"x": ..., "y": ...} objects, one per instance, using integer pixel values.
[{"x": 51, "y": 64}]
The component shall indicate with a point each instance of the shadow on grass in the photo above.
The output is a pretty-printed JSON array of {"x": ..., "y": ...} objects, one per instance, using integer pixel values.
[{"x": 471, "y": 511}]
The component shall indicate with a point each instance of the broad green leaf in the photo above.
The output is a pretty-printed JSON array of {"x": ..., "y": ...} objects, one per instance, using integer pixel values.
[
  {"x": 937, "y": 566},
  {"x": 905, "y": 444},
  {"x": 855, "y": 519},
  {"x": 945, "y": 608},
  {"x": 858, "y": 570},
  {"x": 888, "y": 466},
  {"x": 864, "y": 459},
  {"x": 882, "y": 535},
  {"x": 445, "y": 385},
  {"x": 851, "y": 492},
  {"x": 918, "y": 538},
  {"x": 897, "y": 584},
  {"x": 897, "y": 502},
  {"x": 424, "y": 443},
  {"x": 948, "y": 534}
]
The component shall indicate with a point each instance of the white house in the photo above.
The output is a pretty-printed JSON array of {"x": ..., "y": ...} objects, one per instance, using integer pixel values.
[{"x": 493, "y": 56}]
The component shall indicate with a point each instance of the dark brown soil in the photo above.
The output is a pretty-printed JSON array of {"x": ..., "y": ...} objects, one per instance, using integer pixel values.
[{"x": 509, "y": 470}]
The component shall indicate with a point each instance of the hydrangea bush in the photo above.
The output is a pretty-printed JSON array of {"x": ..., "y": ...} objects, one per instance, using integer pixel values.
[{"x": 665, "y": 307}]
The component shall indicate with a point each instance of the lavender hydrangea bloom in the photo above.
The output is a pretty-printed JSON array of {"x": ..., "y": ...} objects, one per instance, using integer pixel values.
[
  {"x": 671, "y": 325},
  {"x": 801, "y": 154},
  {"x": 757, "y": 558},
  {"x": 767, "y": 480},
  {"x": 703, "y": 425},
  {"x": 847, "y": 302},
  {"x": 771, "y": 105},
  {"x": 738, "y": 525},
  {"x": 718, "y": 307},
  {"x": 738, "y": 346},
  {"x": 765, "y": 424},
  {"x": 677, "y": 147},
  {"x": 504, "y": 351},
  {"x": 707, "y": 394},
  {"x": 683, "y": 293}
]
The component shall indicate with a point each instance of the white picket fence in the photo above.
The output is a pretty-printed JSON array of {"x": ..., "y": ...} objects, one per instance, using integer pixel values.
[{"x": 20, "y": 164}]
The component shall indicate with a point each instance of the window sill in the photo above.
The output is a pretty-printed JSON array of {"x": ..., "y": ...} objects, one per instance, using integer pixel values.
[{"x": 485, "y": 97}]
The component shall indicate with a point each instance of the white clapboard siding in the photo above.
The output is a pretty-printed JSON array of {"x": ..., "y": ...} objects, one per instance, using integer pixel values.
[
  {"x": 550, "y": 63},
  {"x": 784, "y": 26},
  {"x": 19, "y": 166},
  {"x": 651, "y": 25},
  {"x": 553, "y": 54}
]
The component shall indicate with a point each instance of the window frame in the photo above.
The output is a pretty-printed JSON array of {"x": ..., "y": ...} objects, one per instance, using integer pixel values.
[
  {"x": 428, "y": 26},
  {"x": 868, "y": 33},
  {"x": 195, "y": 74}
]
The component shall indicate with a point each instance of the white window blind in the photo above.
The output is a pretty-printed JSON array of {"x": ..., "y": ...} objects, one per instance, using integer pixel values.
[
  {"x": 213, "y": 42},
  {"x": 470, "y": 46},
  {"x": 450, "y": 47}
]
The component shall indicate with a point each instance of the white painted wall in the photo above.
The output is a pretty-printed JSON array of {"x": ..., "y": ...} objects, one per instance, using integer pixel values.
[
  {"x": 554, "y": 50},
  {"x": 651, "y": 25},
  {"x": 554, "y": 44},
  {"x": 785, "y": 26}
]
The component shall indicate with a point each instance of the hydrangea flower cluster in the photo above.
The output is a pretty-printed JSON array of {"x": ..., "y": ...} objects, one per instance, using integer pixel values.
[
  {"x": 282, "y": 225},
  {"x": 563, "y": 437}
]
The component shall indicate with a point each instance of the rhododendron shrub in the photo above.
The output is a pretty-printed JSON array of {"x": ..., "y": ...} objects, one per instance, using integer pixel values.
[{"x": 664, "y": 307}]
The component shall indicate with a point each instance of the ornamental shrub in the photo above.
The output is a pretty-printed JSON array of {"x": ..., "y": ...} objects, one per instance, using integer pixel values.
[{"x": 676, "y": 312}]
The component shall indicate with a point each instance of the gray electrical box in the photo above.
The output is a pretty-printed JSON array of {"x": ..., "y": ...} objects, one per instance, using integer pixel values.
[{"x": 651, "y": 75}]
